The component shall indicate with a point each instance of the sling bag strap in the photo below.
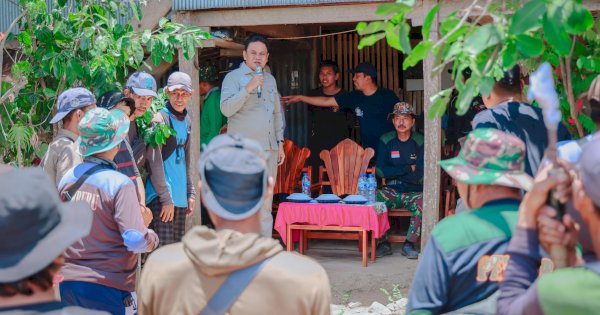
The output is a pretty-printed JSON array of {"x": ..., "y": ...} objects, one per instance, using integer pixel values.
[
  {"x": 68, "y": 195},
  {"x": 231, "y": 289},
  {"x": 171, "y": 143}
]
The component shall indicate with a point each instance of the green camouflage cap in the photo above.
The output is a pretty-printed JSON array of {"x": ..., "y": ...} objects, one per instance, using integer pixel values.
[
  {"x": 208, "y": 73},
  {"x": 101, "y": 130},
  {"x": 401, "y": 108},
  {"x": 490, "y": 157}
]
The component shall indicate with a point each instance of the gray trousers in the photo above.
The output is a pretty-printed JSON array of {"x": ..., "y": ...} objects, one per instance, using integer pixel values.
[{"x": 266, "y": 216}]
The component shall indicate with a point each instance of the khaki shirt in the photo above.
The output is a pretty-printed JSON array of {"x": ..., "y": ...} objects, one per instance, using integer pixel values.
[
  {"x": 256, "y": 118},
  {"x": 62, "y": 155}
]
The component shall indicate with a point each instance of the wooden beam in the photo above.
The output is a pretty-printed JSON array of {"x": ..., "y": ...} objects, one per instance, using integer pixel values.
[
  {"x": 277, "y": 31},
  {"x": 287, "y": 15},
  {"x": 152, "y": 13},
  {"x": 217, "y": 42},
  {"x": 433, "y": 139},
  {"x": 230, "y": 53},
  {"x": 193, "y": 108}
]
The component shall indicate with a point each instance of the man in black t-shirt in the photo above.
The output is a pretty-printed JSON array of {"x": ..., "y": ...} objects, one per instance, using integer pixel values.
[
  {"x": 400, "y": 162},
  {"x": 370, "y": 103},
  {"x": 327, "y": 126}
]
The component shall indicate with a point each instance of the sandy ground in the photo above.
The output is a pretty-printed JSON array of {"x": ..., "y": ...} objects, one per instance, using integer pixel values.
[{"x": 351, "y": 282}]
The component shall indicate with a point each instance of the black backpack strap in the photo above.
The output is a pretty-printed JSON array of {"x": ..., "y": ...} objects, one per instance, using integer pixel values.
[
  {"x": 171, "y": 143},
  {"x": 68, "y": 195}
]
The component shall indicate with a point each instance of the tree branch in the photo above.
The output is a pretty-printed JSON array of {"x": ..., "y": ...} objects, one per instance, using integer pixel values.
[
  {"x": 3, "y": 42},
  {"x": 458, "y": 26},
  {"x": 570, "y": 96}
]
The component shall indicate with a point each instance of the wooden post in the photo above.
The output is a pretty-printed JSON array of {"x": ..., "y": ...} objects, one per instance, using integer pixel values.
[
  {"x": 433, "y": 140},
  {"x": 190, "y": 67}
]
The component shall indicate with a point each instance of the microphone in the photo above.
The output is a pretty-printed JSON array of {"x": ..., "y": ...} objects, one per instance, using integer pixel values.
[{"x": 259, "y": 71}]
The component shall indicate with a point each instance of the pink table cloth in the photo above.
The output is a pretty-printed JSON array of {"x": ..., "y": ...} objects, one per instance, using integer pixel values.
[{"x": 324, "y": 214}]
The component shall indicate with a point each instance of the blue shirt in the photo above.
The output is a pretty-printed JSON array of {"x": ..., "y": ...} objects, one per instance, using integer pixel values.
[
  {"x": 524, "y": 122},
  {"x": 174, "y": 166}
]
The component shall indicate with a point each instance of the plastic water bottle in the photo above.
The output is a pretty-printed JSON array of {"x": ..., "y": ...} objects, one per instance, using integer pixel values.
[
  {"x": 372, "y": 188},
  {"x": 362, "y": 185},
  {"x": 306, "y": 184}
]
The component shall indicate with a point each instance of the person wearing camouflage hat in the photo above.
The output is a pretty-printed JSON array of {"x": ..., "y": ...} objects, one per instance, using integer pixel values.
[
  {"x": 100, "y": 270},
  {"x": 464, "y": 259},
  {"x": 62, "y": 153},
  {"x": 400, "y": 163}
]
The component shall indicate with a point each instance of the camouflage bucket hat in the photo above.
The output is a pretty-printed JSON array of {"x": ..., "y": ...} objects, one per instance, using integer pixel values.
[
  {"x": 208, "y": 73},
  {"x": 401, "y": 108},
  {"x": 101, "y": 130},
  {"x": 490, "y": 157}
]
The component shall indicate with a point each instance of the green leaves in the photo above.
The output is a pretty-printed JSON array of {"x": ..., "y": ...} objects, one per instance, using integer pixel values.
[
  {"x": 530, "y": 46},
  {"x": 553, "y": 31},
  {"x": 439, "y": 102},
  {"x": 485, "y": 36},
  {"x": 189, "y": 47},
  {"x": 25, "y": 39},
  {"x": 527, "y": 17},
  {"x": 429, "y": 20},
  {"x": 418, "y": 54},
  {"x": 370, "y": 40},
  {"x": 578, "y": 18}
]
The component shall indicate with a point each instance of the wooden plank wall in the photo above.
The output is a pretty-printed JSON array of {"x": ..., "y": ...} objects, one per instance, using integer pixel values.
[{"x": 342, "y": 49}]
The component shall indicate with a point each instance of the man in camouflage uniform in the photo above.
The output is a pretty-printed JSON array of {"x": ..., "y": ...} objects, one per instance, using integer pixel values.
[
  {"x": 464, "y": 260},
  {"x": 400, "y": 162}
]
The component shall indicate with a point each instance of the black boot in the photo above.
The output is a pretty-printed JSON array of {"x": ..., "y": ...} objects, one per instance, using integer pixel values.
[
  {"x": 408, "y": 250},
  {"x": 383, "y": 249}
]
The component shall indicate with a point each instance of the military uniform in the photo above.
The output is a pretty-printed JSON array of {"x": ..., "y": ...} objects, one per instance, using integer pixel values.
[
  {"x": 464, "y": 260},
  {"x": 401, "y": 164}
]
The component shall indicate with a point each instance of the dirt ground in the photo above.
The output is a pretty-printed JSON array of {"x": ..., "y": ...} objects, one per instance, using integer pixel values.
[{"x": 351, "y": 282}]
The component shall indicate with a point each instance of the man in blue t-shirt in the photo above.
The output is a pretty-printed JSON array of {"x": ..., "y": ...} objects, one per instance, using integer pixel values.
[
  {"x": 169, "y": 192},
  {"x": 370, "y": 103}
]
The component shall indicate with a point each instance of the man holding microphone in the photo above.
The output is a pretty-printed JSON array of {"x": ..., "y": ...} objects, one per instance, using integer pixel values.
[{"x": 250, "y": 101}]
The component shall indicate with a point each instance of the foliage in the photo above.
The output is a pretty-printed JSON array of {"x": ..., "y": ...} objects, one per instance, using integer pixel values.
[
  {"x": 393, "y": 296},
  {"x": 153, "y": 133},
  {"x": 524, "y": 32},
  {"x": 81, "y": 45}
]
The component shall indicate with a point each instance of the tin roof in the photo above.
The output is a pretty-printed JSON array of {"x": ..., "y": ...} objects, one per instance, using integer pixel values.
[{"x": 184, "y": 5}]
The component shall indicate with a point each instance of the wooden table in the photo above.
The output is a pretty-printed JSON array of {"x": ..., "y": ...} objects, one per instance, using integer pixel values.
[{"x": 330, "y": 217}]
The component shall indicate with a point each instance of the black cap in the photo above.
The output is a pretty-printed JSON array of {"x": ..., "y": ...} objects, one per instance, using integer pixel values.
[
  {"x": 110, "y": 99},
  {"x": 367, "y": 69}
]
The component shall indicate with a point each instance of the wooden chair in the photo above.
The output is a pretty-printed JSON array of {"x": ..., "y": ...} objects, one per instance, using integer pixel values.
[
  {"x": 343, "y": 165},
  {"x": 289, "y": 174}
]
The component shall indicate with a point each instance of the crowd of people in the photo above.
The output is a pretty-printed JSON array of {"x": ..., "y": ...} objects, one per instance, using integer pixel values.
[{"x": 82, "y": 220}]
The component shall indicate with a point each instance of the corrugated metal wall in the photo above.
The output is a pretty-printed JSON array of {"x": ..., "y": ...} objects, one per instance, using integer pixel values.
[
  {"x": 9, "y": 11},
  {"x": 298, "y": 63},
  {"x": 181, "y": 5}
]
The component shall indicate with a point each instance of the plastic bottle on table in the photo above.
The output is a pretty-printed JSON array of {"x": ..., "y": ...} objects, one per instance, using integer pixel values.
[
  {"x": 362, "y": 185},
  {"x": 372, "y": 188},
  {"x": 306, "y": 184}
]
